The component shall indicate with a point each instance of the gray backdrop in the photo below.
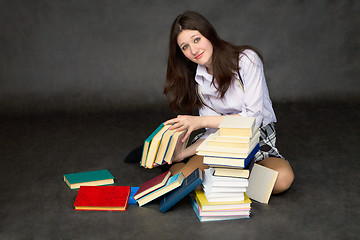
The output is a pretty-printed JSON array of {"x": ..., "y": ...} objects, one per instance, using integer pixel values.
[{"x": 98, "y": 55}]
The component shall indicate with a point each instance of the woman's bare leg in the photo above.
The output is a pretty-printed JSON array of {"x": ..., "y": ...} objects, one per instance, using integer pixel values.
[{"x": 285, "y": 176}]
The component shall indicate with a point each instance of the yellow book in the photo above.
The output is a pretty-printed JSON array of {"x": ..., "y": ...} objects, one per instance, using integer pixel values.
[
  {"x": 237, "y": 126},
  {"x": 205, "y": 205},
  {"x": 154, "y": 146},
  {"x": 205, "y": 150},
  {"x": 164, "y": 146},
  {"x": 233, "y": 143},
  {"x": 175, "y": 146}
]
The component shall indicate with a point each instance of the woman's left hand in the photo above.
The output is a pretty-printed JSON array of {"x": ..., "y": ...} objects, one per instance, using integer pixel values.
[{"x": 185, "y": 122}]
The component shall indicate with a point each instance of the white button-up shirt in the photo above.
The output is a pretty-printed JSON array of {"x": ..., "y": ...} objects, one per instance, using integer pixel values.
[{"x": 254, "y": 101}]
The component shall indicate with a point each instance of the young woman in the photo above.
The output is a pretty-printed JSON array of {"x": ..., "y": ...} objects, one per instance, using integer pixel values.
[{"x": 209, "y": 74}]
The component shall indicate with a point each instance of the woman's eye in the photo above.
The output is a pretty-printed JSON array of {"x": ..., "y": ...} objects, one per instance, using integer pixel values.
[
  {"x": 197, "y": 40},
  {"x": 184, "y": 47}
]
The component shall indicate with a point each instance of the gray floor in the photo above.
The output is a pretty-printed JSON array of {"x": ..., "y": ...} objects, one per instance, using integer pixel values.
[{"x": 319, "y": 139}]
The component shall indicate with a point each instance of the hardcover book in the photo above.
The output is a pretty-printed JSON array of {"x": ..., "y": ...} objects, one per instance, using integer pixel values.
[
  {"x": 91, "y": 178},
  {"x": 154, "y": 147},
  {"x": 173, "y": 182},
  {"x": 203, "y": 217},
  {"x": 147, "y": 144},
  {"x": 152, "y": 184},
  {"x": 188, "y": 185},
  {"x": 237, "y": 126},
  {"x": 102, "y": 198},
  {"x": 216, "y": 181},
  {"x": 175, "y": 146},
  {"x": 164, "y": 146},
  {"x": 261, "y": 183},
  {"x": 205, "y": 205},
  {"x": 133, "y": 190},
  {"x": 234, "y": 171},
  {"x": 240, "y": 143},
  {"x": 211, "y": 159}
]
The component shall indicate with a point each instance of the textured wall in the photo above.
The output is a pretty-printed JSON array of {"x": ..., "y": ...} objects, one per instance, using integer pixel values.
[{"x": 79, "y": 55}]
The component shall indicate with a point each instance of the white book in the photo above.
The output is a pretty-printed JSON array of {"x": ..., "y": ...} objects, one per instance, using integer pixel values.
[
  {"x": 261, "y": 183},
  {"x": 225, "y": 198},
  {"x": 218, "y": 181},
  {"x": 223, "y": 189}
]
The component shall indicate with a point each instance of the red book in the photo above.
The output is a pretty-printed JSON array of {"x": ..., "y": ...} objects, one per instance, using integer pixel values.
[
  {"x": 152, "y": 185},
  {"x": 102, "y": 198}
]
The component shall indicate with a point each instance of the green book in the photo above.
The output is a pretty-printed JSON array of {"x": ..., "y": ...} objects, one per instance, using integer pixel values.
[
  {"x": 147, "y": 145},
  {"x": 91, "y": 178}
]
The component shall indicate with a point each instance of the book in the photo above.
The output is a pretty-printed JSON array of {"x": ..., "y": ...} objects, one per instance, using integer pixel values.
[
  {"x": 243, "y": 139},
  {"x": 189, "y": 184},
  {"x": 213, "y": 181},
  {"x": 164, "y": 146},
  {"x": 175, "y": 146},
  {"x": 222, "y": 189},
  {"x": 232, "y": 212},
  {"x": 152, "y": 184},
  {"x": 147, "y": 144},
  {"x": 227, "y": 197},
  {"x": 212, "y": 194},
  {"x": 207, "y": 218},
  {"x": 223, "y": 142},
  {"x": 205, "y": 205},
  {"x": 172, "y": 183},
  {"x": 237, "y": 126},
  {"x": 235, "y": 161},
  {"x": 209, "y": 206},
  {"x": 102, "y": 198},
  {"x": 236, "y": 172},
  {"x": 261, "y": 183},
  {"x": 133, "y": 190},
  {"x": 205, "y": 150},
  {"x": 154, "y": 146},
  {"x": 90, "y": 178}
]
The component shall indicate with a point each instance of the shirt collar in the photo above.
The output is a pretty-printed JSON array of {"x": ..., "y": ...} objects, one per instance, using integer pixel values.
[{"x": 202, "y": 74}]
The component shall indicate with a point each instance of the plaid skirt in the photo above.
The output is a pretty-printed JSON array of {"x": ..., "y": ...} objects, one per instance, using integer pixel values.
[{"x": 267, "y": 143}]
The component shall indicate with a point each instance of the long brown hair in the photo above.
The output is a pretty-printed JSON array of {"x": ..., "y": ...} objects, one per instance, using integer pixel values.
[{"x": 180, "y": 84}]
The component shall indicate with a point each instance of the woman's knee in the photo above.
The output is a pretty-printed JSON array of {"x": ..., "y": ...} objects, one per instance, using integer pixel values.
[{"x": 284, "y": 180}]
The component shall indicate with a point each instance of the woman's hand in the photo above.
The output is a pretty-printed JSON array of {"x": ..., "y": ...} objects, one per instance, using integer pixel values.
[{"x": 185, "y": 122}]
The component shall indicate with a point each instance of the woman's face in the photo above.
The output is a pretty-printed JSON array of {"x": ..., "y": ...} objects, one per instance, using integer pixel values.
[{"x": 196, "y": 47}]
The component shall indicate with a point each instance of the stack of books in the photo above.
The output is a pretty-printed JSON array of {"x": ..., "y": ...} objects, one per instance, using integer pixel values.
[
  {"x": 230, "y": 155},
  {"x": 161, "y": 146}
]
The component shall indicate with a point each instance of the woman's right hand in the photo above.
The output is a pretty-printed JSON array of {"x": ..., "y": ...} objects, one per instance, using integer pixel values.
[{"x": 185, "y": 122}]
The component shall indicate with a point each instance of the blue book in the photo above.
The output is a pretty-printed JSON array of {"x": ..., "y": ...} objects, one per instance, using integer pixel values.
[
  {"x": 188, "y": 185},
  {"x": 91, "y": 178},
  {"x": 133, "y": 190}
]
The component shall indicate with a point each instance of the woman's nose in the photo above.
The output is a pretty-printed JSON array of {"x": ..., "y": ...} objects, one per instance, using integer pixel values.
[{"x": 193, "y": 49}]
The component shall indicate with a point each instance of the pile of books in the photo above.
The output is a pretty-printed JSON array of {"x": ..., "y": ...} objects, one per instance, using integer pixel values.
[
  {"x": 161, "y": 146},
  {"x": 171, "y": 188},
  {"x": 230, "y": 155}
]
